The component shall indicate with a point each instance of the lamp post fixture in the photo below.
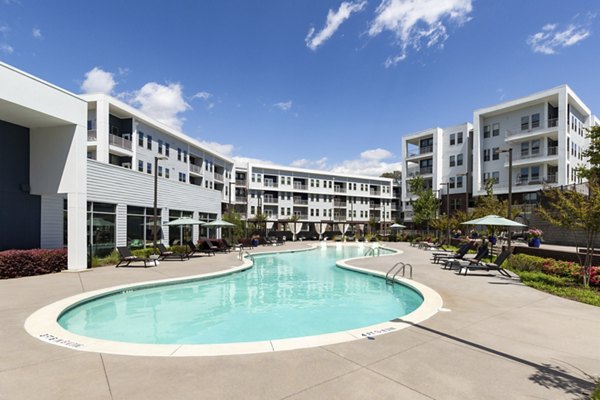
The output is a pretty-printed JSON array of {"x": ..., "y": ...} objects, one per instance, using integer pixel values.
[
  {"x": 466, "y": 175},
  {"x": 447, "y": 184},
  {"x": 509, "y": 151},
  {"x": 154, "y": 228}
]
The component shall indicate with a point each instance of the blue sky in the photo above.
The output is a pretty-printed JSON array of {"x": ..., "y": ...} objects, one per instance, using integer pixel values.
[{"x": 320, "y": 84}]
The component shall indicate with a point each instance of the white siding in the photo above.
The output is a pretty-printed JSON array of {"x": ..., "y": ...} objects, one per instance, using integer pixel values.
[
  {"x": 121, "y": 228},
  {"x": 51, "y": 231}
]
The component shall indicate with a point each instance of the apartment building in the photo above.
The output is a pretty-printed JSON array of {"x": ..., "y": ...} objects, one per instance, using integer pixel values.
[
  {"x": 545, "y": 131},
  {"x": 441, "y": 157},
  {"x": 317, "y": 198},
  {"x": 124, "y": 147}
]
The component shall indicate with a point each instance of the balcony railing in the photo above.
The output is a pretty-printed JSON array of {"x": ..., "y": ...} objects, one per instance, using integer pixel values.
[
  {"x": 550, "y": 123},
  {"x": 374, "y": 206},
  {"x": 339, "y": 204},
  {"x": 241, "y": 199},
  {"x": 119, "y": 141},
  {"x": 299, "y": 186},
  {"x": 301, "y": 202},
  {"x": 551, "y": 151},
  {"x": 219, "y": 177},
  {"x": 91, "y": 135},
  {"x": 526, "y": 180},
  {"x": 426, "y": 170},
  {"x": 270, "y": 200},
  {"x": 338, "y": 189},
  {"x": 240, "y": 182},
  {"x": 196, "y": 169},
  {"x": 301, "y": 216},
  {"x": 271, "y": 184},
  {"x": 375, "y": 193}
]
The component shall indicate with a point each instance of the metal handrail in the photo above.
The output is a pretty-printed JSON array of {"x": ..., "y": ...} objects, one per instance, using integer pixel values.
[
  {"x": 396, "y": 271},
  {"x": 387, "y": 275},
  {"x": 244, "y": 253},
  {"x": 403, "y": 269}
]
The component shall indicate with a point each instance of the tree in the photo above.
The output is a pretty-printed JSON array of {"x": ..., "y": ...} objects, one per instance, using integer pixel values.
[
  {"x": 395, "y": 175},
  {"x": 425, "y": 206},
  {"x": 576, "y": 210},
  {"x": 235, "y": 218},
  {"x": 490, "y": 204},
  {"x": 592, "y": 153}
]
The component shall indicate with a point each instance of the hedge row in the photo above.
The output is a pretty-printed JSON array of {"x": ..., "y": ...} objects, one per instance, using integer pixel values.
[
  {"x": 18, "y": 263},
  {"x": 563, "y": 269}
]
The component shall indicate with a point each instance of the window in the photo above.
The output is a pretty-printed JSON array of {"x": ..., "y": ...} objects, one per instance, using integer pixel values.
[
  {"x": 486, "y": 131},
  {"x": 535, "y": 147},
  {"x": 535, "y": 121},
  {"x": 459, "y": 181},
  {"x": 312, "y": 183},
  {"x": 184, "y": 156},
  {"x": 452, "y": 161},
  {"x": 149, "y": 142},
  {"x": 535, "y": 173},
  {"x": 525, "y": 123},
  {"x": 141, "y": 139},
  {"x": 486, "y": 155},
  {"x": 167, "y": 173},
  {"x": 452, "y": 183},
  {"x": 182, "y": 177},
  {"x": 178, "y": 154},
  {"x": 160, "y": 146},
  {"x": 459, "y": 159},
  {"x": 317, "y": 212},
  {"x": 160, "y": 170},
  {"x": 149, "y": 168},
  {"x": 312, "y": 212},
  {"x": 140, "y": 166},
  {"x": 496, "y": 129},
  {"x": 496, "y": 153},
  {"x": 452, "y": 139},
  {"x": 524, "y": 175},
  {"x": 167, "y": 147},
  {"x": 524, "y": 149},
  {"x": 252, "y": 210},
  {"x": 496, "y": 176},
  {"x": 459, "y": 138}
]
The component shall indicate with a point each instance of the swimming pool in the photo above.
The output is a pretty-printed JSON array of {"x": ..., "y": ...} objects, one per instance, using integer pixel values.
[
  {"x": 284, "y": 295},
  {"x": 88, "y": 308}
]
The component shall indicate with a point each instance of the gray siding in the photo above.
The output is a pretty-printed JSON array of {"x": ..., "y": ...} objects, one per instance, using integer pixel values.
[
  {"x": 51, "y": 230},
  {"x": 121, "y": 228}
]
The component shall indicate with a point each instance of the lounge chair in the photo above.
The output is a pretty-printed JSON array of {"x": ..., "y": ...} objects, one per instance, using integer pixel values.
[
  {"x": 462, "y": 250},
  {"x": 206, "y": 246},
  {"x": 164, "y": 253},
  {"x": 222, "y": 245},
  {"x": 127, "y": 257},
  {"x": 433, "y": 246},
  {"x": 482, "y": 251},
  {"x": 494, "y": 266}
]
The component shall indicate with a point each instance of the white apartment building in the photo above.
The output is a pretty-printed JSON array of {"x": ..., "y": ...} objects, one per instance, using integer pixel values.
[
  {"x": 546, "y": 132},
  {"x": 318, "y": 198},
  {"x": 441, "y": 157},
  {"x": 124, "y": 147}
]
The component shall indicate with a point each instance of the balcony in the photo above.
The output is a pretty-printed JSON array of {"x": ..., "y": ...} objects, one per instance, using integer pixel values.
[
  {"x": 195, "y": 169},
  {"x": 425, "y": 170},
  {"x": 375, "y": 193},
  {"x": 550, "y": 124},
  {"x": 301, "y": 215},
  {"x": 420, "y": 151},
  {"x": 299, "y": 186},
  {"x": 550, "y": 152},
  {"x": 119, "y": 141},
  {"x": 91, "y": 135},
  {"x": 339, "y": 204},
  {"x": 300, "y": 202},
  {"x": 240, "y": 182},
  {"x": 218, "y": 177},
  {"x": 271, "y": 184},
  {"x": 270, "y": 200},
  {"x": 339, "y": 189},
  {"x": 374, "y": 206},
  {"x": 241, "y": 199}
]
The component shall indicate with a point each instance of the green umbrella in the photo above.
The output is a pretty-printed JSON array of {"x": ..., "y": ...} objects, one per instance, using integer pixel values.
[
  {"x": 218, "y": 223},
  {"x": 494, "y": 220},
  {"x": 183, "y": 221},
  {"x": 397, "y": 226}
]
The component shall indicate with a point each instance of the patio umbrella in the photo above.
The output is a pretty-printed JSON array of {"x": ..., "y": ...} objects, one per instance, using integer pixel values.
[
  {"x": 397, "y": 226},
  {"x": 494, "y": 220},
  {"x": 217, "y": 223},
  {"x": 183, "y": 221}
]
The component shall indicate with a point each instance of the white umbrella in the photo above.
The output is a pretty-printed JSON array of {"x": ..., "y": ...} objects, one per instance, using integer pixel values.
[
  {"x": 217, "y": 223},
  {"x": 397, "y": 226},
  {"x": 494, "y": 220}
]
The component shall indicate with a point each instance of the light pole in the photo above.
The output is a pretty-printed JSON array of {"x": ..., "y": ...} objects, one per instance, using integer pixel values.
[
  {"x": 447, "y": 184},
  {"x": 509, "y": 151},
  {"x": 154, "y": 228},
  {"x": 466, "y": 175}
]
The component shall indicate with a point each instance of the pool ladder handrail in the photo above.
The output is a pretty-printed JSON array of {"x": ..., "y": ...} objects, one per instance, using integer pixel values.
[
  {"x": 390, "y": 276},
  {"x": 244, "y": 253},
  {"x": 372, "y": 251}
]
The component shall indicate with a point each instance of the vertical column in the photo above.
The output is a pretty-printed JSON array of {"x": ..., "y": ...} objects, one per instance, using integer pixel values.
[
  {"x": 563, "y": 150},
  {"x": 164, "y": 218},
  {"x": 121, "y": 225},
  {"x": 102, "y": 131}
]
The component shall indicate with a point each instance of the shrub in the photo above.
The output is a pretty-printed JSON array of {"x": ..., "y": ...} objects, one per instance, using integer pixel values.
[
  {"x": 525, "y": 262},
  {"x": 18, "y": 263}
]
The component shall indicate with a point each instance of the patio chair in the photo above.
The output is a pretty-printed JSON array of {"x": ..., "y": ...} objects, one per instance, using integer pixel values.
[
  {"x": 206, "y": 246},
  {"x": 193, "y": 248},
  {"x": 462, "y": 250},
  {"x": 164, "y": 253},
  {"x": 127, "y": 257},
  {"x": 222, "y": 245},
  {"x": 434, "y": 246},
  {"x": 493, "y": 266},
  {"x": 482, "y": 252}
]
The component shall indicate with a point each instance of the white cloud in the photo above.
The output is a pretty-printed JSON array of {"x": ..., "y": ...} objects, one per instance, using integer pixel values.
[
  {"x": 223, "y": 149},
  {"x": 4, "y": 29},
  {"x": 418, "y": 23},
  {"x": 36, "y": 33},
  {"x": 334, "y": 20},
  {"x": 162, "y": 102},
  {"x": 550, "y": 38},
  {"x": 284, "y": 106},
  {"x": 371, "y": 162},
  {"x": 98, "y": 81},
  {"x": 6, "y": 48},
  {"x": 202, "y": 95}
]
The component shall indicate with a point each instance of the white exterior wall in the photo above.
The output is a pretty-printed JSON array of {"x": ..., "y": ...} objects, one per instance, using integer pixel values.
[{"x": 52, "y": 222}]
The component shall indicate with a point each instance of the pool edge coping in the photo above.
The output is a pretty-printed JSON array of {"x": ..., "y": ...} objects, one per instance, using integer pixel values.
[{"x": 43, "y": 325}]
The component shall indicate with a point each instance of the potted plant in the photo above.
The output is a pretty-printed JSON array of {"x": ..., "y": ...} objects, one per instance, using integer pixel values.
[
  {"x": 474, "y": 234},
  {"x": 535, "y": 237}
]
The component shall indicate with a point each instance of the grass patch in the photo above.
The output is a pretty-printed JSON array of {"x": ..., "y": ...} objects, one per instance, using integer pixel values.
[
  {"x": 560, "y": 286},
  {"x": 596, "y": 394}
]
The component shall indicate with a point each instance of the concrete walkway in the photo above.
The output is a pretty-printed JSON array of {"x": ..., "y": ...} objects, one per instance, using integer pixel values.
[{"x": 495, "y": 339}]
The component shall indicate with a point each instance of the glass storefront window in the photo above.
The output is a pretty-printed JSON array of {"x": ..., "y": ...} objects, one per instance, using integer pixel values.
[{"x": 101, "y": 218}]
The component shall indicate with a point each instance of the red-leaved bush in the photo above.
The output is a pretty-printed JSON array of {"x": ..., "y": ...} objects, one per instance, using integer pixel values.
[{"x": 18, "y": 263}]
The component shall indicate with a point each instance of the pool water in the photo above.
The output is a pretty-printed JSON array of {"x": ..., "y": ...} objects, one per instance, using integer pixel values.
[{"x": 284, "y": 295}]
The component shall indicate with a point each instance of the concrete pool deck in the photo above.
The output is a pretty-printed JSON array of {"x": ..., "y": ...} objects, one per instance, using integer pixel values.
[{"x": 495, "y": 339}]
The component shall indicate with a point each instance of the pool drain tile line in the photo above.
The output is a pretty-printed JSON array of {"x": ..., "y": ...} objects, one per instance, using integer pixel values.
[
  {"x": 106, "y": 375},
  {"x": 320, "y": 383}
]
